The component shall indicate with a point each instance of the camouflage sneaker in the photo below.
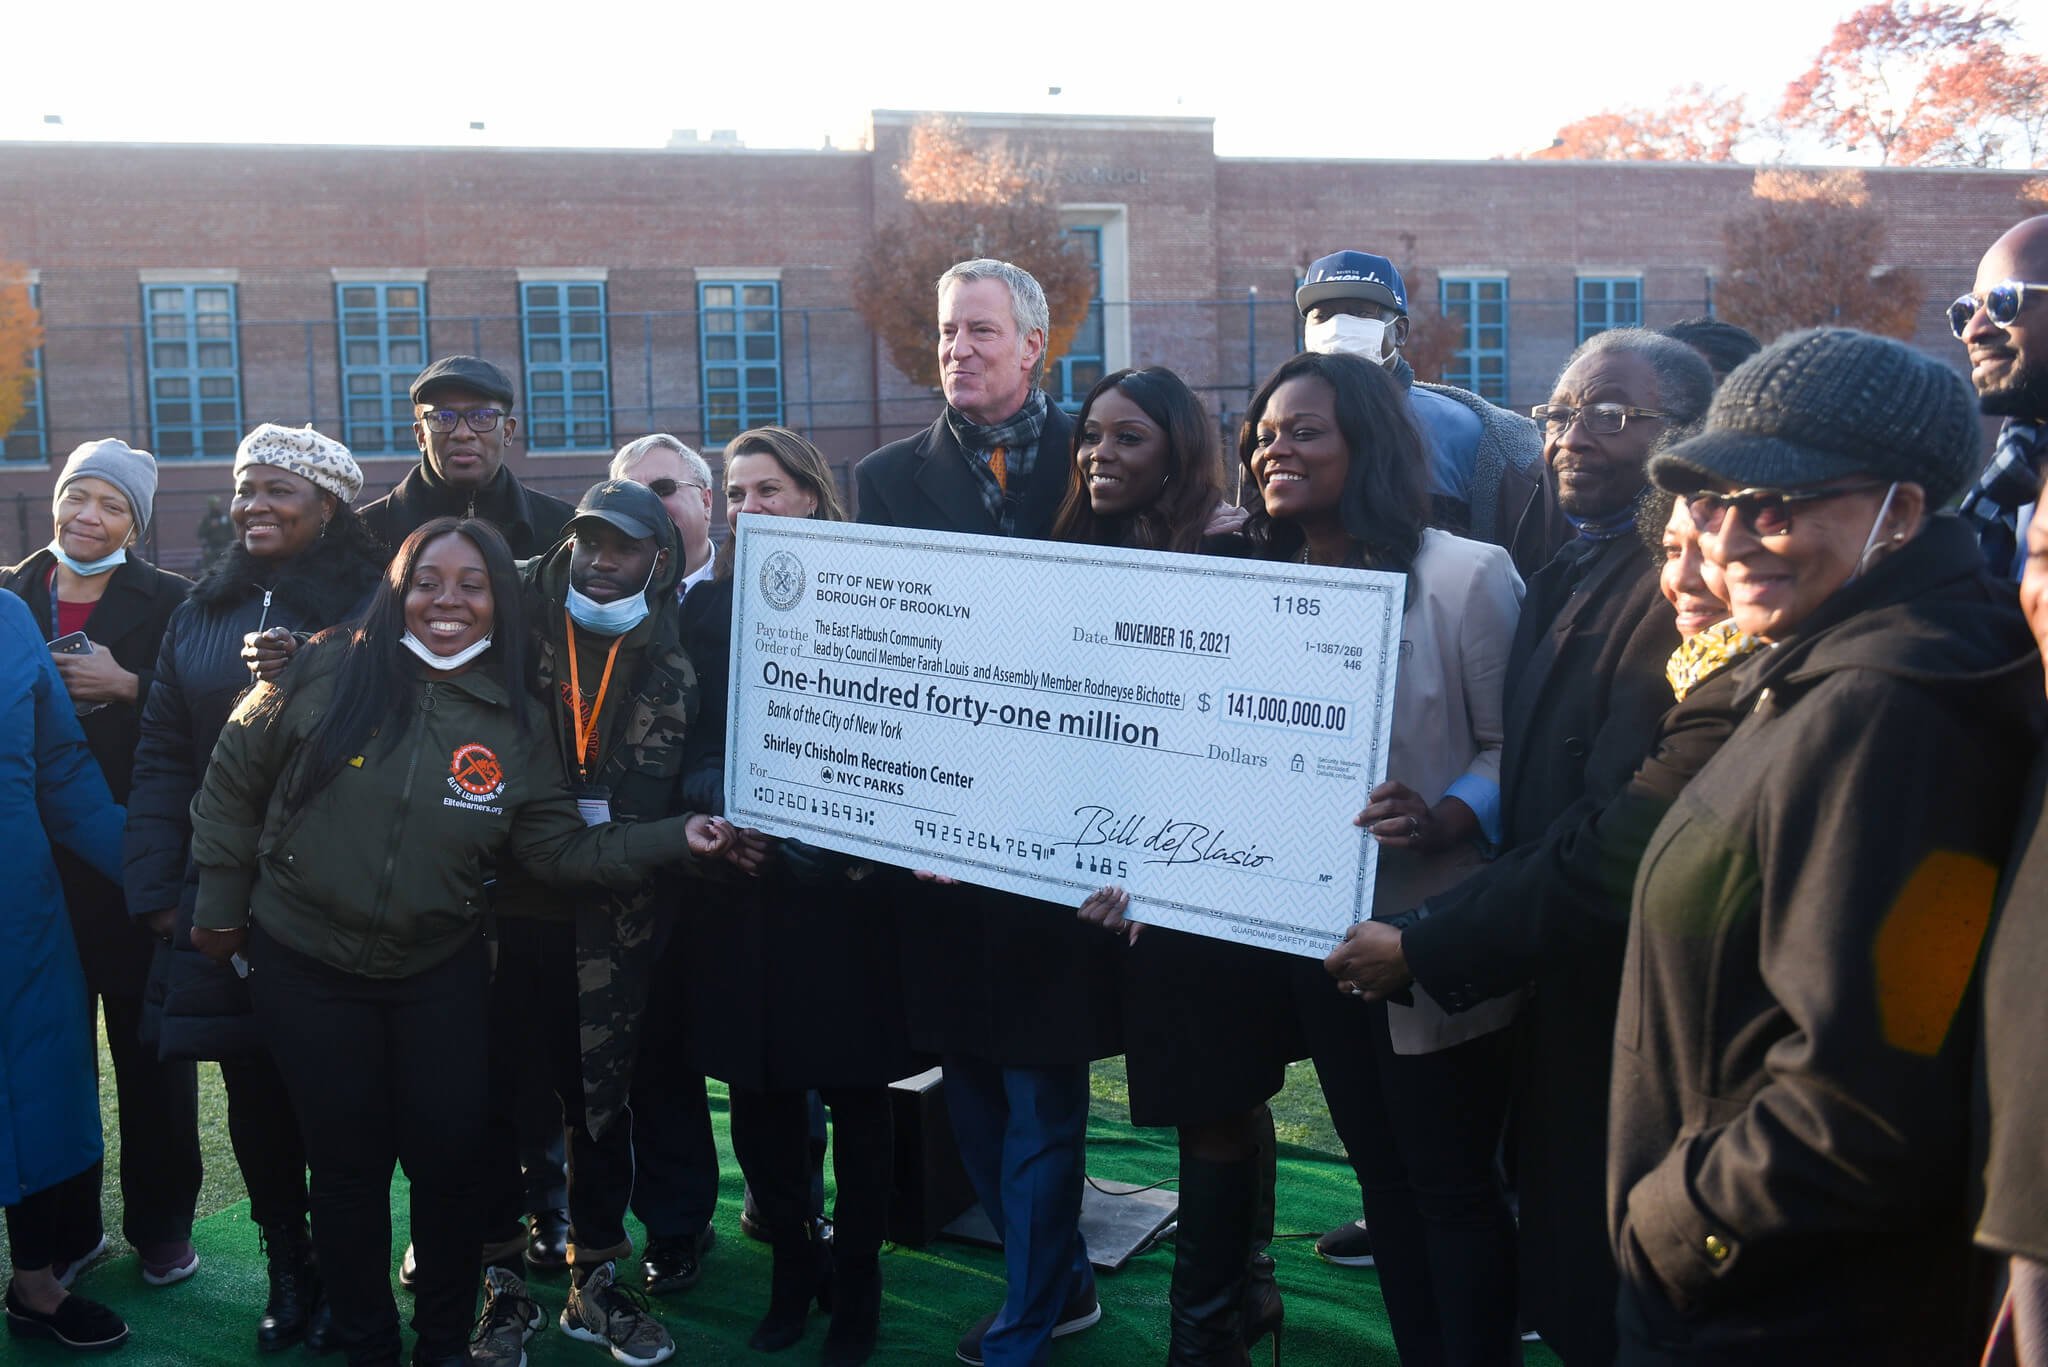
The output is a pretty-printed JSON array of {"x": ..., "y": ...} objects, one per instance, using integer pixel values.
[
  {"x": 602, "y": 1311},
  {"x": 509, "y": 1319}
]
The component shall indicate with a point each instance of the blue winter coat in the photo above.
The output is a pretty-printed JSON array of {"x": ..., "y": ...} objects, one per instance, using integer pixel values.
[{"x": 51, "y": 791}]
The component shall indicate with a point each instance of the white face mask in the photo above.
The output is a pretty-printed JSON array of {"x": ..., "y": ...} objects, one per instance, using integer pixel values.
[
  {"x": 104, "y": 565},
  {"x": 444, "y": 662},
  {"x": 1350, "y": 334},
  {"x": 617, "y": 617}
]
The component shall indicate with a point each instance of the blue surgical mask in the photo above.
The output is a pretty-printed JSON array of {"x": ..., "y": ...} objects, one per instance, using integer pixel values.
[
  {"x": 615, "y": 618},
  {"x": 88, "y": 568}
]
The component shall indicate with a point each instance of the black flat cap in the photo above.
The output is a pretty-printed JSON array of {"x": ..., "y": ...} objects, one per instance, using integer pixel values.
[{"x": 464, "y": 372}]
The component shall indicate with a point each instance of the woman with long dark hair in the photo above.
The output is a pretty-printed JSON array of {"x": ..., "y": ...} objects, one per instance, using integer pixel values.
[
  {"x": 1416, "y": 1095},
  {"x": 1145, "y": 472},
  {"x": 795, "y": 985},
  {"x": 342, "y": 836},
  {"x": 301, "y": 561}
]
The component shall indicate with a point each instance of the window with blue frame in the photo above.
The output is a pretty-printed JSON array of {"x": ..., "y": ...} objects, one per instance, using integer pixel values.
[
  {"x": 1480, "y": 304},
  {"x": 29, "y": 439},
  {"x": 739, "y": 343},
  {"x": 568, "y": 366},
  {"x": 1609, "y": 302},
  {"x": 195, "y": 370},
  {"x": 1075, "y": 373},
  {"x": 383, "y": 346}
]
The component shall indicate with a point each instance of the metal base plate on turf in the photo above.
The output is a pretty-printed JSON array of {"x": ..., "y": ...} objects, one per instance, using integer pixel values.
[{"x": 1117, "y": 1219}]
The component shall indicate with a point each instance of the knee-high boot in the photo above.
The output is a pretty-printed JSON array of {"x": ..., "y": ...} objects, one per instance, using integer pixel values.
[
  {"x": 1264, "y": 1312},
  {"x": 1207, "y": 1298}
]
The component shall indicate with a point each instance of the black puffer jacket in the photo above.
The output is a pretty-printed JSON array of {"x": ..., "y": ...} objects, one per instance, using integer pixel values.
[{"x": 197, "y": 1008}]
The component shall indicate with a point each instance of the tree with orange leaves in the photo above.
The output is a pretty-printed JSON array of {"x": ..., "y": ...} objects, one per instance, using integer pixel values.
[
  {"x": 1698, "y": 124},
  {"x": 961, "y": 201},
  {"x": 21, "y": 332},
  {"x": 1919, "y": 84},
  {"x": 1809, "y": 252}
]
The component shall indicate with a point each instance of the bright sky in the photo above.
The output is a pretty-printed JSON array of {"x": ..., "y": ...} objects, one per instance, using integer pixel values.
[{"x": 1318, "y": 79}]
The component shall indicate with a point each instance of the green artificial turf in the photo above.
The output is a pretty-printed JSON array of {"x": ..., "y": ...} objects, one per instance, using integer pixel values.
[{"x": 1334, "y": 1315}]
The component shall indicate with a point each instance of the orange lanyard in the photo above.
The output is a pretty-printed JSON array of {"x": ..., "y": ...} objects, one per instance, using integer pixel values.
[{"x": 586, "y": 733}]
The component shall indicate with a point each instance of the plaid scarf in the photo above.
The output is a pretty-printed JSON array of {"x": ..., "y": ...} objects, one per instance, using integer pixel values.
[
  {"x": 2009, "y": 483},
  {"x": 1018, "y": 436},
  {"x": 1720, "y": 644}
]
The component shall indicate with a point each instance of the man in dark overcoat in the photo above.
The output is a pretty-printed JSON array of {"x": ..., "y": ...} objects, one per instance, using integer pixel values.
[
  {"x": 1585, "y": 691},
  {"x": 1016, "y": 996}
]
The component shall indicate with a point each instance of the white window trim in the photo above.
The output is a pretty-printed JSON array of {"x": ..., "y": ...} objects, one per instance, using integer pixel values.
[
  {"x": 379, "y": 275},
  {"x": 1115, "y": 222},
  {"x": 31, "y": 276},
  {"x": 550, "y": 275},
  {"x": 762, "y": 275},
  {"x": 198, "y": 275}
]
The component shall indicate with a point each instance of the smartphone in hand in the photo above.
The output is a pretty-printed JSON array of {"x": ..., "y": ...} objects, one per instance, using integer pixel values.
[{"x": 74, "y": 644}]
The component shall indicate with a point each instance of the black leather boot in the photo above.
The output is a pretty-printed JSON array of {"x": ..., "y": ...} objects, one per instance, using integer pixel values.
[
  {"x": 1206, "y": 1301},
  {"x": 288, "y": 1251},
  {"x": 1264, "y": 1312},
  {"x": 803, "y": 1272},
  {"x": 856, "y": 1310}
]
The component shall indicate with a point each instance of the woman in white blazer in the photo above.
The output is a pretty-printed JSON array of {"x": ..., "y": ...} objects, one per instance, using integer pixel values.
[{"x": 1418, "y": 1096}]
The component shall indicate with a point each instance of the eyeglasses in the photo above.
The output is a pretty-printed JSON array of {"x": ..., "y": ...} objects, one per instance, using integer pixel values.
[
  {"x": 2002, "y": 302},
  {"x": 1600, "y": 419},
  {"x": 663, "y": 488},
  {"x": 1767, "y": 511},
  {"x": 479, "y": 419}
]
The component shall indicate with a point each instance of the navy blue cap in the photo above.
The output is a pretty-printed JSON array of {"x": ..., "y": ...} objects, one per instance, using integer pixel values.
[
  {"x": 1353, "y": 275},
  {"x": 633, "y": 508}
]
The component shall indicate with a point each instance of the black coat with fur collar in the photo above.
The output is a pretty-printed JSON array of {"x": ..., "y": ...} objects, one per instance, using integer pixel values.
[{"x": 199, "y": 678}]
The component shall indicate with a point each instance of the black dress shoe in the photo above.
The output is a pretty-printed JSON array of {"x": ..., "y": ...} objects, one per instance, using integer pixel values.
[
  {"x": 320, "y": 1327},
  {"x": 547, "y": 1240},
  {"x": 675, "y": 1262}
]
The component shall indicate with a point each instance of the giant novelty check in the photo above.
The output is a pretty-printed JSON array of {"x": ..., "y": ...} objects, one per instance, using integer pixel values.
[{"x": 1047, "y": 719}]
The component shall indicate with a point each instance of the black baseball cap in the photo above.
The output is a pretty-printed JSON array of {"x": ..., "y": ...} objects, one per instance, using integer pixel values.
[
  {"x": 633, "y": 508},
  {"x": 464, "y": 372}
]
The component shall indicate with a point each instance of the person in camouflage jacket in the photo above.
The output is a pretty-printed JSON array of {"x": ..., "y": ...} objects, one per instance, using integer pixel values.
[{"x": 573, "y": 970}]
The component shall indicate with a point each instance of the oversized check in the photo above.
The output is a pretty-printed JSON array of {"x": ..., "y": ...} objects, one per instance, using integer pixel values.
[{"x": 1047, "y": 719}]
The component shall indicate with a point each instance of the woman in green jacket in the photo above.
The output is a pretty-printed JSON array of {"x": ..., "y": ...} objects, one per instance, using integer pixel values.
[{"x": 342, "y": 837}]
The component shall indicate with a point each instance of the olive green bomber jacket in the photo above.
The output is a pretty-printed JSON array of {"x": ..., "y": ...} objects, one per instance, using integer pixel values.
[{"x": 381, "y": 872}]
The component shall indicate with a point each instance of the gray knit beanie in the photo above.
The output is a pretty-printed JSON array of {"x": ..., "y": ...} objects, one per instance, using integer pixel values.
[
  {"x": 131, "y": 471},
  {"x": 1832, "y": 403}
]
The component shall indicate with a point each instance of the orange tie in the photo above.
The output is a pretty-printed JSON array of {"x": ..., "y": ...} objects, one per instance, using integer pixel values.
[{"x": 996, "y": 467}]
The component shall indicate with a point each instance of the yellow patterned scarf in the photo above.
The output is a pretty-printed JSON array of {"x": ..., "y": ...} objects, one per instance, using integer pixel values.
[{"x": 1694, "y": 660}]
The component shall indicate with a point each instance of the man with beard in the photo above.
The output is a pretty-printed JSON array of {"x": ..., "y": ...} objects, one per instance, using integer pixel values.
[
  {"x": 1584, "y": 693},
  {"x": 572, "y": 972},
  {"x": 2005, "y": 326}
]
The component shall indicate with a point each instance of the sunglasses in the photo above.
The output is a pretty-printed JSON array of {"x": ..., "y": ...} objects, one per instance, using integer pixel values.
[
  {"x": 1768, "y": 512},
  {"x": 479, "y": 419},
  {"x": 2002, "y": 302},
  {"x": 664, "y": 488},
  {"x": 1600, "y": 419}
]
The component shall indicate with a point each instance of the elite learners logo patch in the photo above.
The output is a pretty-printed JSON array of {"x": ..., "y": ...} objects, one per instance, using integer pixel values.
[{"x": 474, "y": 773}]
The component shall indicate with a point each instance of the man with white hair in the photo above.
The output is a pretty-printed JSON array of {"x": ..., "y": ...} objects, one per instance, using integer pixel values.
[
  {"x": 1016, "y": 996},
  {"x": 681, "y": 479}
]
